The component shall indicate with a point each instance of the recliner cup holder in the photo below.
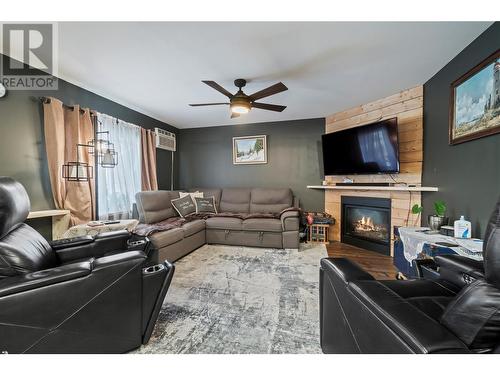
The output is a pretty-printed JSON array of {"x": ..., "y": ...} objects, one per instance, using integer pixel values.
[
  {"x": 153, "y": 269},
  {"x": 155, "y": 282},
  {"x": 136, "y": 243}
]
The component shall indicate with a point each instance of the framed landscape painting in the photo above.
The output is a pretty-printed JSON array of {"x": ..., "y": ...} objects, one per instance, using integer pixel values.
[
  {"x": 475, "y": 102},
  {"x": 250, "y": 150}
]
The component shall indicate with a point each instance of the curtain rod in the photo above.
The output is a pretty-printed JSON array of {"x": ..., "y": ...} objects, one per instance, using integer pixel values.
[
  {"x": 117, "y": 121},
  {"x": 46, "y": 100},
  {"x": 93, "y": 113}
]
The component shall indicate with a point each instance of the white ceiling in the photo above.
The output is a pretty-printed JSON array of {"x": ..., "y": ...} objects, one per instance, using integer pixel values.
[{"x": 157, "y": 68}]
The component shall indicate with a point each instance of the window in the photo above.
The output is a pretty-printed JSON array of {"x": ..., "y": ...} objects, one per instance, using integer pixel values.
[{"x": 116, "y": 187}]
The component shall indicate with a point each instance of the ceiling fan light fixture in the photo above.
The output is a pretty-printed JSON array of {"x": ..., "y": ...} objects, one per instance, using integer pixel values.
[
  {"x": 240, "y": 109},
  {"x": 240, "y": 106}
]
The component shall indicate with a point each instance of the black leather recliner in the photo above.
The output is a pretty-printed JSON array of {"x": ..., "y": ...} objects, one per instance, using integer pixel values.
[
  {"x": 457, "y": 313},
  {"x": 73, "y": 297}
]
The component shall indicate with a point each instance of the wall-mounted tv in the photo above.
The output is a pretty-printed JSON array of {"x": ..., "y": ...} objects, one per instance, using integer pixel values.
[{"x": 367, "y": 149}]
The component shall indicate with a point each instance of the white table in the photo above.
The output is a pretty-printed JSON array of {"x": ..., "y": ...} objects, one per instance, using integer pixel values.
[
  {"x": 414, "y": 240},
  {"x": 85, "y": 229}
]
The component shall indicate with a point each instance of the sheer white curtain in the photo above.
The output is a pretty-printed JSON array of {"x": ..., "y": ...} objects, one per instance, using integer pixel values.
[{"x": 116, "y": 187}]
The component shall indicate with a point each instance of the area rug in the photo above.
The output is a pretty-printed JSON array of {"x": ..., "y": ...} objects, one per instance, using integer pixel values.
[{"x": 230, "y": 299}]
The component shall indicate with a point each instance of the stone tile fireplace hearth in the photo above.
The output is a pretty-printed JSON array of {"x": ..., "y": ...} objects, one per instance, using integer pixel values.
[{"x": 366, "y": 222}]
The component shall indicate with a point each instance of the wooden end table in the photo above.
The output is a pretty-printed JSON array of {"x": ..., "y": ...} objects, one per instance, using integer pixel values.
[
  {"x": 60, "y": 220},
  {"x": 318, "y": 233}
]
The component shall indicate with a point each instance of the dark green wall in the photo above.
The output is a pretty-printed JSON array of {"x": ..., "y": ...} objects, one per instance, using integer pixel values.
[
  {"x": 22, "y": 149},
  {"x": 467, "y": 174},
  {"x": 294, "y": 149}
]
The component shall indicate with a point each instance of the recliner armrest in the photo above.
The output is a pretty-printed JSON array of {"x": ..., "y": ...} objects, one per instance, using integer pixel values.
[
  {"x": 345, "y": 269},
  {"x": 34, "y": 280},
  {"x": 420, "y": 332},
  {"x": 111, "y": 260},
  {"x": 71, "y": 242},
  {"x": 459, "y": 270},
  {"x": 99, "y": 246}
]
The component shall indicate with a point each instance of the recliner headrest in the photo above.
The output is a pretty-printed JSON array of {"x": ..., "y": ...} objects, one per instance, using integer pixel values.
[
  {"x": 14, "y": 204},
  {"x": 491, "y": 248}
]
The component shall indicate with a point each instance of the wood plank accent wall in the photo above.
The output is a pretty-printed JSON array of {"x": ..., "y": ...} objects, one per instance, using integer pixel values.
[{"x": 407, "y": 106}]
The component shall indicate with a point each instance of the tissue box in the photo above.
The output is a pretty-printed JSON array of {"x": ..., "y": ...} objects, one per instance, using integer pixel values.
[{"x": 447, "y": 230}]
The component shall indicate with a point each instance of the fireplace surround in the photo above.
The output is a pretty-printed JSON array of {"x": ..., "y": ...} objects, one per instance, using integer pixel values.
[{"x": 366, "y": 223}]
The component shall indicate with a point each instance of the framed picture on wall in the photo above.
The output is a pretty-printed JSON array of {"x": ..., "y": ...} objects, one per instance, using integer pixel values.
[
  {"x": 475, "y": 102},
  {"x": 250, "y": 150}
]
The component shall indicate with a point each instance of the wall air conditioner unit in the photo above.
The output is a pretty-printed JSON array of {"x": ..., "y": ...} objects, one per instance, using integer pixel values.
[{"x": 165, "y": 140}]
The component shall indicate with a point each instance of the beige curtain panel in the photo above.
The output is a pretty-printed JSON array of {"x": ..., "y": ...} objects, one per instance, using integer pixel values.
[
  {"x": 64, "y": 128},
  {"x": 148, "y": 174}
]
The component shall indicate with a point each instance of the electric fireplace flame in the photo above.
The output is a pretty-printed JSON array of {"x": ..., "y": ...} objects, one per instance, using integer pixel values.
[
  {"x": 369, "y": 228},
  {"x": 365, "y": 224}
]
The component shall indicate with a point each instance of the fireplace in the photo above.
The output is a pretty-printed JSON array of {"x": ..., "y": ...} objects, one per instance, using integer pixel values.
[{"x": 366, "y": 222}]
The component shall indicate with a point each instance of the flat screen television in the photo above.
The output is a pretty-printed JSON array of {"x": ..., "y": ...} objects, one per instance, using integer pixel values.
[{"x": 367, "y": 149}]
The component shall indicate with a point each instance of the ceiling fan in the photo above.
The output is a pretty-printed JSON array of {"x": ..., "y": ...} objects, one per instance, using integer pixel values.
[{"x": 241, "y": 103}]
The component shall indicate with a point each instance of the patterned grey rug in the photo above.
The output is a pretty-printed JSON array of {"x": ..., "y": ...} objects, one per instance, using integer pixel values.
[{"x": 230, "y": 299}]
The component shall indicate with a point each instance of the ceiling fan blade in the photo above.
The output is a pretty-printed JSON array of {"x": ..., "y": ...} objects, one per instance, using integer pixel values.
[
  {"x": 203, "y": 104},
  {"x": 219, "y": 88},
  {"x": 269, "y": 107},
  {"x": 271, "y": 90},
  {"x": 233, "y": 115}
]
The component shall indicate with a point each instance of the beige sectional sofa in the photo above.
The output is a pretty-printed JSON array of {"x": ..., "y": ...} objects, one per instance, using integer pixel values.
[{"x": 280, "y": 231}]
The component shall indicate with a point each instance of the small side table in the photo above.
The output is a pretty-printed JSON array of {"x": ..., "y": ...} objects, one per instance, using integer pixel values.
[
  {"x": 85, "y": 229},
  {"x": 318, "y": 233},
  {"x": 60, "y": 220}
]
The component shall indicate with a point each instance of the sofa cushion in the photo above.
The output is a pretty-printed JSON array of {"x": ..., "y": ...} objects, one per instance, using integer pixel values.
[
  {"x": 230, "y": 223},
  {"x": 235, "y": 200},
  {"x": 193, "y": 227},
  {"x": 431, "y": 306},
  {"x": 262, "y": 225},
  {"x": 184, "y": 206},
  {"x": 155, "y": 206},
  {"x": 208, "y": 192},
  {"x": 270, "y": 200},
  {"x": 167, "y": 237}
]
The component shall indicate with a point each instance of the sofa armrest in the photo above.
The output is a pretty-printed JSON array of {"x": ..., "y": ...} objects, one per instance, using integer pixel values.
[
  {"x": 34, "y": 280},
  {"x": 344, "y": 269},
  {"x": 290, "y": 220}
]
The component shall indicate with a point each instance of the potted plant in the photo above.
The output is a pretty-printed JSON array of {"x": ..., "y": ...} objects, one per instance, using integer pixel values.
[
  {"x": 438, "y": 219},
  {"x": 416, "y": 210}
]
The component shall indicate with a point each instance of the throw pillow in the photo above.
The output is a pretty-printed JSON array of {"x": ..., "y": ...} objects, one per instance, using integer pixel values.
[
  {"x": 205, "y": 205},
  {"x": 198, "y": 194},
  {"x": 184, "y": 206}
]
